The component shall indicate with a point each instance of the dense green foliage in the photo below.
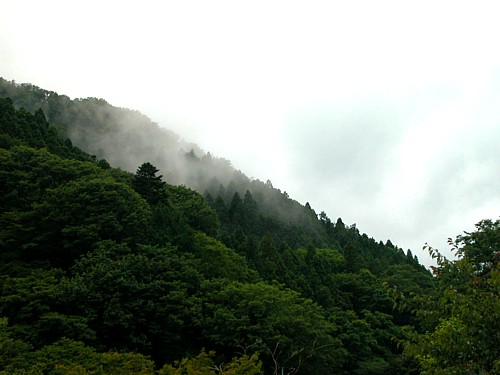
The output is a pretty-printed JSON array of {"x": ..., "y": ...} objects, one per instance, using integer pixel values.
[
  {"x": 107, "y": 271},
  {"x": 462, "y": 320}
]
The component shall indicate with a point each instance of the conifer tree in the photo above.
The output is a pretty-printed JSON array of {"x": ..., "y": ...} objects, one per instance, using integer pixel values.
[{"x": 148, "y": 184}]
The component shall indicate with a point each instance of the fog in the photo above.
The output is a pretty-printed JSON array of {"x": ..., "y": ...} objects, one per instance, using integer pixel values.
[{"x": 384, "y": 114}]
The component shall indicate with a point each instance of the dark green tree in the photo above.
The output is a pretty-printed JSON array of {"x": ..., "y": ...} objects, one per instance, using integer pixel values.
[
  {"x": 149, "y": 185},
  {"x": 136, "y": 300},
  {"x": 218, "y": 261},
  {"x": 353, "y": 257},
  {"x": 287, "y": 330},
  {"x": 250, "y": 212},
  {"x": 236, "y": 211},
  {"x": 74, "y": 217},
  {"x": 193, "y": 208}
]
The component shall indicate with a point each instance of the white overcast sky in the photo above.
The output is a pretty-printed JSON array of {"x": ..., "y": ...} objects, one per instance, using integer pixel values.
[{"x": 385, "y": 113}]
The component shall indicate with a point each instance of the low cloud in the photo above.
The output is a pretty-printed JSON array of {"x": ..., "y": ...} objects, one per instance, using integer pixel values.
[{"x": 413, "y": 170}]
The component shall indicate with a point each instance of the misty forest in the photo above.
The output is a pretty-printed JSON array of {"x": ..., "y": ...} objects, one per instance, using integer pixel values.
[{"x": 127, "y": 250}]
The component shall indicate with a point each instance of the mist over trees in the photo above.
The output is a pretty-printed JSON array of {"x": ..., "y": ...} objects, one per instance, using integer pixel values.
[
  {"x": 124, "y": 137},
  {"x": 127, "y": 138},
  {"x": 107, "y": 270}
]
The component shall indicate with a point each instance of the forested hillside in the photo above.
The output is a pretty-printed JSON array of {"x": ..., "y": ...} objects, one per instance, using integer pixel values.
[
  {"x": 107, "y": 270},
  {"x": 127, "y": 138}
]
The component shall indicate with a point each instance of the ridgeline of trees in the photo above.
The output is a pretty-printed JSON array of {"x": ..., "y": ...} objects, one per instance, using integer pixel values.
[{"x": 107, "y": 271}]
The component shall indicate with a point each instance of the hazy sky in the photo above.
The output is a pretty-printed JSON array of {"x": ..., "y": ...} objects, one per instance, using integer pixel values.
[{"x": 385, "y": 113}]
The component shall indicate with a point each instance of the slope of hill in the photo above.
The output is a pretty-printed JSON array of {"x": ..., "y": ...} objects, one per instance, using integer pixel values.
[
  {"x": 126, "y": 138},
  {"x": 97, "y": 259}
]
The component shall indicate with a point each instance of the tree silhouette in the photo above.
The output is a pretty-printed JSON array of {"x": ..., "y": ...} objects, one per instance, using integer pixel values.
[{"x": 148, "y": 184}]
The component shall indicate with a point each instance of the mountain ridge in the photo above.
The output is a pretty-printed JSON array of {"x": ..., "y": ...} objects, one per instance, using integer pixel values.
[{"x": 126, "y": 138}]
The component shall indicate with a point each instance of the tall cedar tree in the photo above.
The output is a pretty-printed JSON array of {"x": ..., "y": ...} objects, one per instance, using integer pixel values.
[{"x": 148, "y": 184}]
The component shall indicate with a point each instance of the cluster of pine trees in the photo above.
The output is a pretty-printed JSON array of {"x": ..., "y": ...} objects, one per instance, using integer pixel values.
[{"x": 108, "y": 271}]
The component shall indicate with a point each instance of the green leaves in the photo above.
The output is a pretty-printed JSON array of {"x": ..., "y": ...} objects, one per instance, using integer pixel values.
[
  {"x": 193, "y": 209},
  {"x": 68, "y": 357},
  {"x": 135, "y": 298},
  {"x": 12, "y": 351},
  {"x": 218, "y": 261},
  {"x": 74, "y": 217},
  {"x": 45, "y": 198},
  {"x": 204, "y": 364},
  {"x": 467, "y": 337},
  {"x": 283, "y": 326}
]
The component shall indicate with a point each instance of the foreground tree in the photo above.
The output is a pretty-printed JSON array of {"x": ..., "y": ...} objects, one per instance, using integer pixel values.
[
  {"x": 463, "y": 320},
  {"x": 137, "y": 299},
  {"x": 204, "y": 364},
  {"x": 287, "y": 331}
]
